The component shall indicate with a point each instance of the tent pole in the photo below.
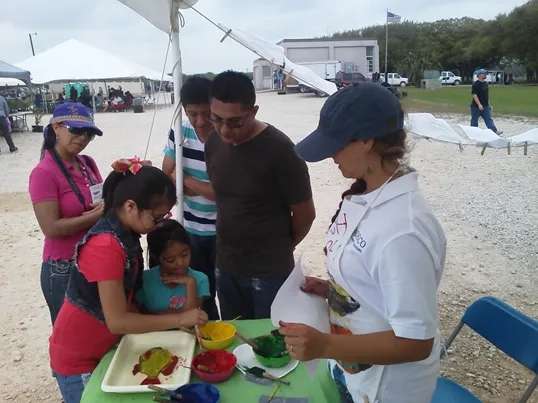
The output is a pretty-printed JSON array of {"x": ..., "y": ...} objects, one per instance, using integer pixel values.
[{"x": 178, "y": 129}]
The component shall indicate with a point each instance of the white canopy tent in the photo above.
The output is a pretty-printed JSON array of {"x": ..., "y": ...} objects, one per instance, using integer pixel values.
[
  {"x": 13, "y": 75},
  {"x": 275, "y": 54},
  {"x": 164, "y": 14},
  {"x": 85, "y": 63},
  {"x": 10, "y": 82}
]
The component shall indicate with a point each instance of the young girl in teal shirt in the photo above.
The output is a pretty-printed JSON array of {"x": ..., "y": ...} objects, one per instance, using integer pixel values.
[{"x": 170, "y": 285}]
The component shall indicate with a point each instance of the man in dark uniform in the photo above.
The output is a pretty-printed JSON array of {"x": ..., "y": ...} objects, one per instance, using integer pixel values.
[{"x": 480, "y": 106}]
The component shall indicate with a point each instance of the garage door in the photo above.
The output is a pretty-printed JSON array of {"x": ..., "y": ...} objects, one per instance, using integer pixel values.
[
  {"x": 300, "y": 55},
  {"x": 348, "y": 54}
]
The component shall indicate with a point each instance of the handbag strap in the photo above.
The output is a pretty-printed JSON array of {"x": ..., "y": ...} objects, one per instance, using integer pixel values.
[{"x": 68, "y": 177}]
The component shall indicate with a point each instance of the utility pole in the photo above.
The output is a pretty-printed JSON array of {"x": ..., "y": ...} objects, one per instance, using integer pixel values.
[
  {"x": 387, "y": 47},
  {"x": 32, "y": 42}
]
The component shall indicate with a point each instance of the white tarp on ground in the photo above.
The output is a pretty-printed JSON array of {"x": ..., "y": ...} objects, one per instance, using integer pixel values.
[
  {"x": 427, "y": 126},
  {"x": 81, "y": 62}
]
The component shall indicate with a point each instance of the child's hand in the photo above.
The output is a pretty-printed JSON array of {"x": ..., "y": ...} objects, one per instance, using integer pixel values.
[
  {"x": 193, "y": 317},
  {"x": 177, "y": 279}
]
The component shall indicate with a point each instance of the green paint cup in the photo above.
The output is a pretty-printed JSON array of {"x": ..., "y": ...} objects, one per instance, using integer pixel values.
[{"x": 272, "y": 352}]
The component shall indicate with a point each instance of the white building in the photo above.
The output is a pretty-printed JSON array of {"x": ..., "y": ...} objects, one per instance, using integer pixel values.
[{"x": 363, "y": 53}]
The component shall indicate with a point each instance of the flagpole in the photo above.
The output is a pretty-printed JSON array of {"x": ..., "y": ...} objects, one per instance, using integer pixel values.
[{"x": 386, "y": 44}]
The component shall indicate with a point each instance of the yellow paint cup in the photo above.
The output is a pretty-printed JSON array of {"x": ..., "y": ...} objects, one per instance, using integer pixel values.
[{"x": 221, "y": 335}]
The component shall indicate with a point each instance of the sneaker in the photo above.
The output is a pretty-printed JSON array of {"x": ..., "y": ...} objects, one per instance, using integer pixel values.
[
  {"x": 499, "y": 132},
  {"x": 14, "y": 150}
]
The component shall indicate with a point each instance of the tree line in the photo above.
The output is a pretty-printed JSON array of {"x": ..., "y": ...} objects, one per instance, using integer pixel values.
[{"x": 461, "y": 45}]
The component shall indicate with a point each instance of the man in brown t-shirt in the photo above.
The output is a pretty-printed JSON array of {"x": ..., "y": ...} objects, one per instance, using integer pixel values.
[{"x": 264, "y": 200}]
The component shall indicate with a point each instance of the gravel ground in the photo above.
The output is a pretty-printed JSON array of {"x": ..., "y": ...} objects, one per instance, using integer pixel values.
[{"x": 486, "y": 204}]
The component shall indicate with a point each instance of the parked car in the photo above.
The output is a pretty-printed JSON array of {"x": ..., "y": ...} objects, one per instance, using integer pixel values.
[
  {"x": 394, "y": 79},
  {"x": 449, "y": 78},
  {"x": 344, "y": 79}
]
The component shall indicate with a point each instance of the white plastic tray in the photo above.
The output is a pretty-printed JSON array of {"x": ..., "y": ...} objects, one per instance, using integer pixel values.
[{"x": 119, "y": 377}]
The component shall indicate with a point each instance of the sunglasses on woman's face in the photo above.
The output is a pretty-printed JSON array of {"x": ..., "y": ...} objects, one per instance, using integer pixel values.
[{"x": 80, "y": 131}]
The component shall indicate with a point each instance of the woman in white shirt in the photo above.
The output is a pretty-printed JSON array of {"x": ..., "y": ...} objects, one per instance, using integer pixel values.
[{"x": 385, "y": 256}]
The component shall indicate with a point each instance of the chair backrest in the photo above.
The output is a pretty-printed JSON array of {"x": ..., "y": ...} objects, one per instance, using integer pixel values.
[{"x": 508, "y": 329}]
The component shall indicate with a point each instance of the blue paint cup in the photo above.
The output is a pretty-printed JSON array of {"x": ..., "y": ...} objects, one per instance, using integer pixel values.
[{"x": 199, "y": 392}]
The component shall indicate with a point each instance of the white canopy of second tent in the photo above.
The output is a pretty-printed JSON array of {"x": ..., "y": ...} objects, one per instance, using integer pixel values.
[{"x": 82, "y": 62}]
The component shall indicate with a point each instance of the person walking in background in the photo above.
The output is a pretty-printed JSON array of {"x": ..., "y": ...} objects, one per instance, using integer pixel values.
[
  {"x": 264, "y": 200},
  {"x": 5, "y": 129},
  {"x": 199, "y": 209},
  {"x": 480, "y": 106}
]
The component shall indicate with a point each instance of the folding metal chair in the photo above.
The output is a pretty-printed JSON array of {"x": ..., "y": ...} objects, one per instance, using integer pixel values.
[{"x": 508, "y": 329}]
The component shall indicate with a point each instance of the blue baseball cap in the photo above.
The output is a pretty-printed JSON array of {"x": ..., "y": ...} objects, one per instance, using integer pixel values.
[
  {"x": 361, "y": 111},
  {"x": 73, "y": 115},
  {"x": 481, "y": 71}
]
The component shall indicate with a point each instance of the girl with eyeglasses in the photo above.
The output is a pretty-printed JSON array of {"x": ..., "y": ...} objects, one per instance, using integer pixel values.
[{"x": 108, "y": 274}]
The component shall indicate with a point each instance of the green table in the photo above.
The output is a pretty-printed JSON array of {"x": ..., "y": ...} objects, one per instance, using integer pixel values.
[{"x": 236, "y": 390}]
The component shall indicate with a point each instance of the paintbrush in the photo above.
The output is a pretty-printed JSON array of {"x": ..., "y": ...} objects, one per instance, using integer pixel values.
[
  {"x": 249, "y": 342},
  {"x": 173, "y": 395},
  {"x": 260, "y": 373},
  {"x": 233, "y": 320},
  {"x": 199, "y": 337},
  {"x": 201, "y": 368},
  {"x": 273, "y": 393}
]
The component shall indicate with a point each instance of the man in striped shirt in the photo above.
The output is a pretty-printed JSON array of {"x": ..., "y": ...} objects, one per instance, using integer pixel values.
[{"x": 199, "y": 209}]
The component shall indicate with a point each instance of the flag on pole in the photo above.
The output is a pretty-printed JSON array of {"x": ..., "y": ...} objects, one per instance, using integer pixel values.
[{"x": 391, "y": 17}]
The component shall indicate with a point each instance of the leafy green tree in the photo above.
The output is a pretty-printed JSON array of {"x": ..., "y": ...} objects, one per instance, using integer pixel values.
[{"x": 458, "y": 44}]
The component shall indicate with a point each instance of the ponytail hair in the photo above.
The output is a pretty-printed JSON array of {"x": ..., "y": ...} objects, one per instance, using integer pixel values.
[
  {"x": 148, "y": 188},
  {"x": 49, "y": 142},
  {"x": 161, "y": 237}
]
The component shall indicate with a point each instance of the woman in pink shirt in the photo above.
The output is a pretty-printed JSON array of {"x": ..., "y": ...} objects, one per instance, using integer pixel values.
[{"x": 66, "y": 192}]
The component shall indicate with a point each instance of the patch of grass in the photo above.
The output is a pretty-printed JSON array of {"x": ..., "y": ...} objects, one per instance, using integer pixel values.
[{"x": 514, "y": 100}]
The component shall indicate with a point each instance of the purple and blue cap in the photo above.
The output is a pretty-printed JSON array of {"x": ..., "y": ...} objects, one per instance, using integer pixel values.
[
  {"x": 361, "y": 111},
  {"x": 481, "y": 71},
  {"x": 74, "y": 115}
]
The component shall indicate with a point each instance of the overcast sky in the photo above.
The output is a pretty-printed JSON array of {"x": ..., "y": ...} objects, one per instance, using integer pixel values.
[{"x": 110, "y": 25}]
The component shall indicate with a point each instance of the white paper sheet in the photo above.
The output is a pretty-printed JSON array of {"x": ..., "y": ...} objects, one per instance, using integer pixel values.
[{"x": 293, "y": 305}]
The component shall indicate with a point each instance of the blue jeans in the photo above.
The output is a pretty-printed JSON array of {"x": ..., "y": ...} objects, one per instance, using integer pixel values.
[
  {"x": 203, "y": 255},
  {"x": 54, "y": 279},
  {"x": 248, "y": 297},
  {"x": 485, "y": 114},
  {"x": 72, "y": 386}
]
